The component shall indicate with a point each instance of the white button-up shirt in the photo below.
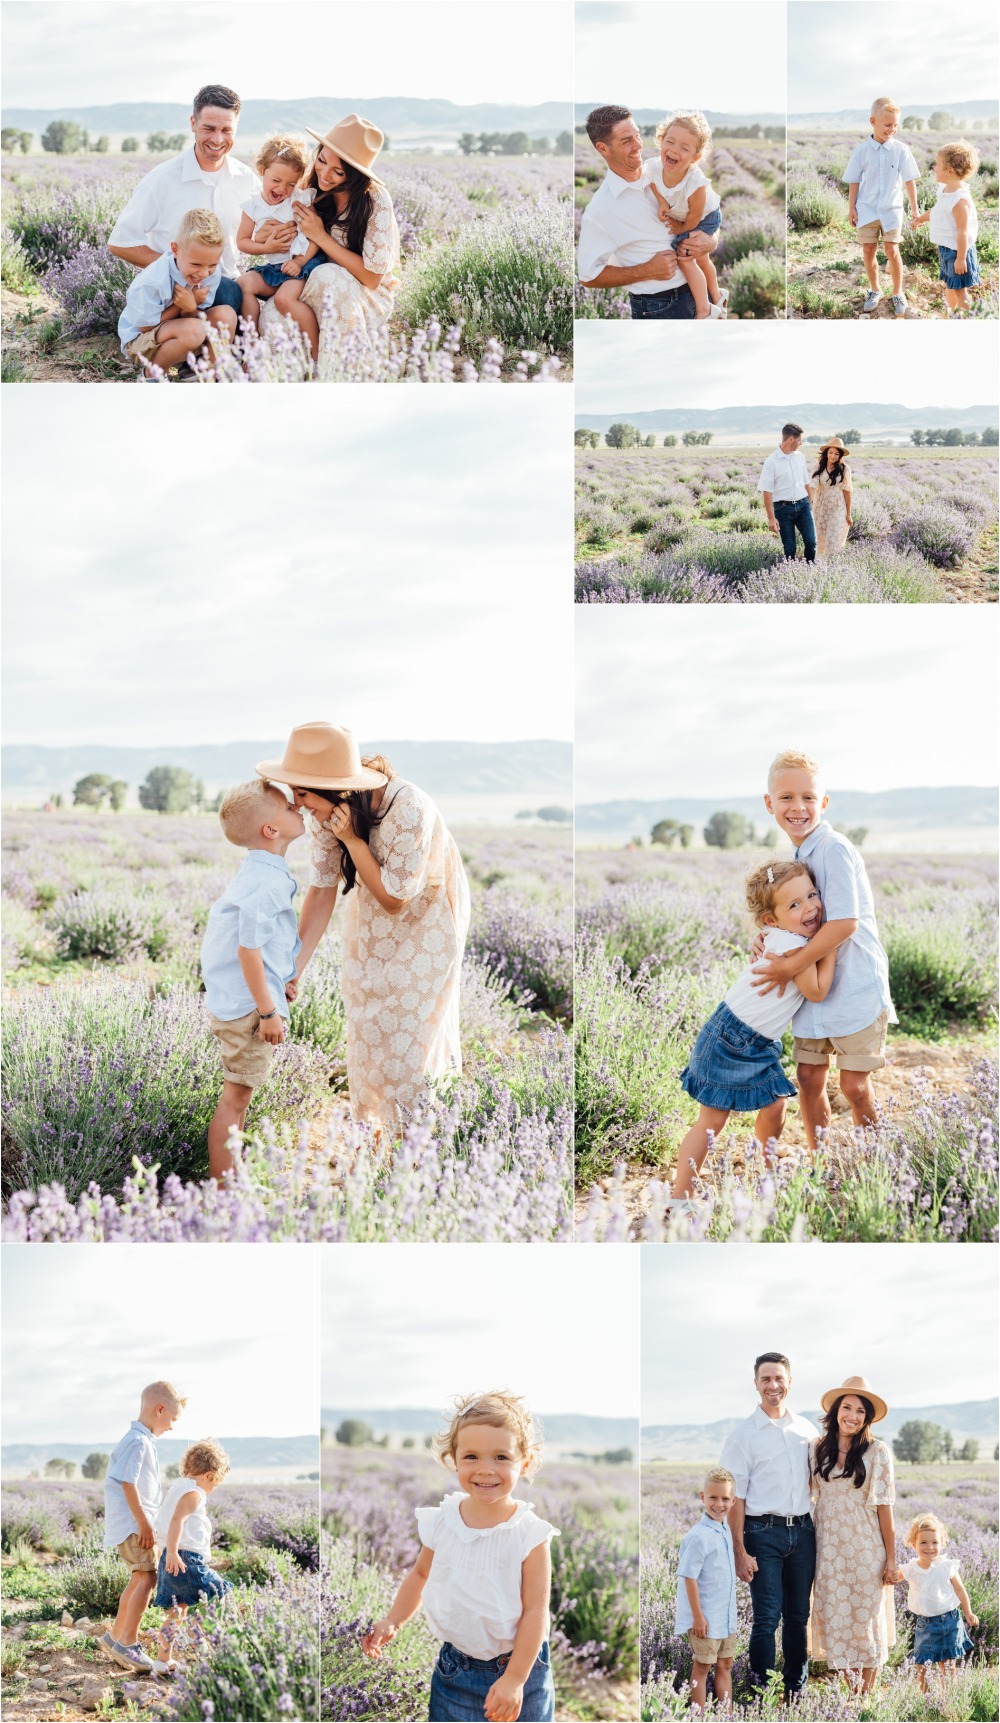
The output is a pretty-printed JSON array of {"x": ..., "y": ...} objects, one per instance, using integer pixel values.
[
  {"x": 620, "y": 226},
  {"x": 706, "y": 1555},
  {"x": 153, "y": 212},
  {"x": 880, "y": 171},
  {"x": 769, "y": 1459},
  {"x": 133, "y": 1461},
  {"x": 860, "y": 990},
  {"x": 785, "y": 476}
]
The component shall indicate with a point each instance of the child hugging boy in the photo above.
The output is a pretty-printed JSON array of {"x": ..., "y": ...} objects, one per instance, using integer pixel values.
[
  {"x": 282, "y": 163},
  {"x": 170, "y": 310},
  {"x": 184, "y": 1534},
  {"x": 879, "y": 171},
  {"x": 851, "y": 1021},
  {"x": 131, "y": 1502},
  {"x": 706, "y": 1591},
  {"x": 686, "y": 202},
  {"x": 248, "y": 954},
  {"x": 954, "y": 223}
]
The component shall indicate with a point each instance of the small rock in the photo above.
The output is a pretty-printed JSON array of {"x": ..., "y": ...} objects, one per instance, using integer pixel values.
[
  {"x": 83, "y": 1624},
  {"x": 96, "y": 1690},
  {"x": 67, "y": 1619},
  {"x": 43, "y": 1668},
  {"x": 39, "y": 1682}
]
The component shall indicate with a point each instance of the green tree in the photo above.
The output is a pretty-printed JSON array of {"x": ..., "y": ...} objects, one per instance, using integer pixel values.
[
  {"x": 940, "y": 121},
  {"x": 178, "y": 141},
  {"x": 770, "y": 838},
  {"x": 102, "y": 144},
  {"x": 620, "y": 436},
  {"x": 849, "y": 437},
  {"x": 670, "y": 441},
  {"x": 354, "y": 1433},
  {"x": 129, "y": 146},
  {"x": 467, "y": 143},
  {"x": 671, "y": 832},
  {"x": 95, "y": 1465},
  {"x": 585, "y": 439},
  {"x": 953, "y": 437},
  {"x": 10, "y": 139},
  {"x": 172, "y": 1471},
  {"x": 408, "y": 1442},
  {"x": 696, "y": 439},
  {"x": 913, "y": 123},
  {"x": 918, "y": 438},
  {"x": 650, "y": 441},
  {"x": 564, "y": 144},
  {"x": 970, "y": 1449},
  {"x": 919, "y": 1442},
  {"x": 727, "y": 831},
  {"x": 555, "y": 814},
  {"x": 91, "y": 791},
  {"x": 117, "y": 794},
  {"x": 990, "y": 437},
  {"x": 157, "y": 142},
  {"x": 167, "y": 790},
  {"x": 60, "y": 1468},
  {"x": 26, "y": 138},
  {"x": 618, "y": 1457},
  {"x": 515, "y": 144},
  {"x": 948, "y": 1445},
  {"x": 63, "y": 138},
  {"x": 854, "y": 834}
]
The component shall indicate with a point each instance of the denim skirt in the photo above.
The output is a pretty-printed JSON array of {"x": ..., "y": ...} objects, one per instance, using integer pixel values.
[
  {"x": 187, "y": 1588},
  {"x": 733, "y": 1067},
  {"x": 272, "y": 275},
  {"x": 709, "y": 223},
  {"x": 946, "y": 270},
  {"x": 940, "y": 1638},
  {"x": 459, "y": 1686}
]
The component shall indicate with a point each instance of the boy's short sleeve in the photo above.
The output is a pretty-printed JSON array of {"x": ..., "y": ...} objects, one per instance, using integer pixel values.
[
  {"x": 129, "y": 1464},
  {"x": 690, "y": 1556},
  {"x": 258, "y": 916},
  {"x": 428, "y": 1526},
  {"x": 145, "y": 302},
  {"x": 840, "y": 891},
  {"x": 907, "y": 166},
  {"x": 852, "y": 172}
]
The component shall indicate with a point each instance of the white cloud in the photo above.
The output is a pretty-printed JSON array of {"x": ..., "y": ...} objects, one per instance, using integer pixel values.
[
  {"x": 718, "y": 54},
  {"x": 844, "y": 56}
]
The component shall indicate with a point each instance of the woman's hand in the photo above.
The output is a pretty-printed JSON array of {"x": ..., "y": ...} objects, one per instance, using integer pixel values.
[
  {"x": 340, "y": 825},
  {"x": 278, "y": 234},
  {"x": 308, "y": 222},
  {"x": 890, "y": 1574},
  {"x": 378, "y": 1636},
  {"x": 504, "y": 1700}
]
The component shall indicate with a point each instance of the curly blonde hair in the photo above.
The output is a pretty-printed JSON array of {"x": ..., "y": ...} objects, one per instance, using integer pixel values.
[
  {"x": 205, "y": 1456},
  {"x": 502, "y": 1411},
  {"x": 284, "y": 148},
  {"x": 961, "y": 158},
  {"x": 693, "y": 121},
  {"x": 925, "y": 1522},
  {"x": 762, "y": 885}
]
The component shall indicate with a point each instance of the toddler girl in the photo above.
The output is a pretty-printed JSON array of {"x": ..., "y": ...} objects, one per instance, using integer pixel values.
[
  {"x": 483, "y": 1573},
  {"x": 935, "y": 1599},
  {"x": 282, "y": 162},
  {"x": 735, "y": 1066},
  {"x": 183, "y": 1533},
  {"x": 954, "y": 223},
  {"x": 686, "y": 202}
]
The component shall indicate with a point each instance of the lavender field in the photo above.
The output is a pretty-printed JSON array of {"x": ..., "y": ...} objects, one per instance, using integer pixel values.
[
  {"x": 111, "y": 1074},
  {"x": 825, "y": 273},
  {"x": 749, "y": 175},
  {"x": 660, "y": 937},
  {"x": 682, "y": 526},
  {"x": 963, "y": 1496},
  {"x": 255, "y": 1654},
  {"x": 486, "y": 277},
  {"x": 369, "y": 1497}
]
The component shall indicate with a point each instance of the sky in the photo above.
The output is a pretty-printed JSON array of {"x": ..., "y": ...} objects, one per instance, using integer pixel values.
[
  {"x": 920, "y": 1323},
  {"x": 399, "y": 553},
  {"x": 719, "y": 54},
  {"x": 660, "y": 366},
  {"x": 919, "y": 52},
  {"x": 235, "y": 1327},
  {"x": 680, "y": 700},
  {"x": 414, "y": 1326},
  {"x": 464, "y": 50}
]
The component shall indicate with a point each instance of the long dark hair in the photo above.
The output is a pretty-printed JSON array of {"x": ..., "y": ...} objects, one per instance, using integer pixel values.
[
  {"x": 823, "y": 466},
  {"x": 364, "y": 819},
  {"x": 356, "y": 216},
  {"x": 829, "y": 1443}
]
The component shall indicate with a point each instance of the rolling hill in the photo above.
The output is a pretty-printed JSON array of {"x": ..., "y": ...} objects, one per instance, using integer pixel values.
[
  {"x": 903, "y": 810},
  {"x": 870, "y": 418},
  {"x": 679, "y": 1442}
]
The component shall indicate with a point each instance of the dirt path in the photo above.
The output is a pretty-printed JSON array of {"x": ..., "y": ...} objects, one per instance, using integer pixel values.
[
  {"x": 35, "y": 347},
  {"x": 833, "y": 284},
  {"x": 65, "y": 1675},
  {"x": 976, "y": 583}
]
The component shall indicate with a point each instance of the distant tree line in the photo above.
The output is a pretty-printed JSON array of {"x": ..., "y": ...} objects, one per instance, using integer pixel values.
[
  {"x": 921, "y": 1443},
  {"x": 12, "y": 138},
  {"x": 551, "y": 812},
  {"x": 625, "y": 436},
  {"x": 166, "y": 790},
  {"x": 953, "y": 438},
  {"x": 752, "y": 130},
  {"x": 514, "y": 144},
  {"x": 942, "y": 121},
  {"x": 729, "y": 831}
]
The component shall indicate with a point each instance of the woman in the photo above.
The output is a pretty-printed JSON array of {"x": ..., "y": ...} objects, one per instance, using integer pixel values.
[
  {"x": 382, "y": 843},
  {"x": 853, "y": 1620},
  {"x": 831, "y": 496},
  {"x": 351, "y": 219}
]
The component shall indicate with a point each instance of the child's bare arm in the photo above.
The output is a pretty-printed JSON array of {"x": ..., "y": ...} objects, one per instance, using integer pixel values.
[
  {"x": 852, "y": 201},
  {"x": 910, "y": 187},
  {"x": 257, "y": 242},
  {"x": 962, "y": 233},
  {"x": 252, "y": 965},
  {"x": 405, "y": 1604},
  {"x": 816, "y": 981},
  {"x": 699, "y": 1625},
  {"x": 776, "y": 970},
  {"x": 295, "y": 265},
  {"x": 146, "y": 1538},
  {"x": 504, "y": 1700},
  {"x": 696, "y": 207},
  {"x": 662, "y": 206},
  {"x": 185, "y": 1507},
  {"x": 963, "y": 1598}
]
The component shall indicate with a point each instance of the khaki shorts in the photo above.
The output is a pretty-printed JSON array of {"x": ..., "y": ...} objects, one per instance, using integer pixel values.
[
  {"x": 872, "y": 231},
  {"x": 864, "y": 1050},
  {"x": 135, "y": 1557},
  {"x": 246, "y": 1058},
  {"x": 143, "y": 346},
  {"x": 707, "y": 1650}
]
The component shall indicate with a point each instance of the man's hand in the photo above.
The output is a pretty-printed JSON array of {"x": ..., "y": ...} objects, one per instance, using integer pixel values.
[
  {"x": 292, "y": 267},
  {"x": 173, "y": 1562},
  {"x": 775, "y": 973},
  {"x": 146, "y": 1538},
  {"x": 184, "y": 300},
  {"x": 746, "y": 1565},
  {"x": 504, "y": 1700},
  {"x": 272, "y": 1029},
  {"x": 379, "y": 1635},
  {"x": 699, "y": 245},
  {"x": 661, "y": 266},
  {"x": 699, "y": 1625},
  {"x": 772, "y": 526}
]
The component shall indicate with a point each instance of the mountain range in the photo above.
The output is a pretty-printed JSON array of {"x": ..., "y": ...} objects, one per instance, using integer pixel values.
[
  {"x": 262, "y": 1453},
  {"x": 972, "y": 110},
  {"x": 652, "y": 116},
  {"x": 870, "y": 418},
  {"x": 576, "y": 1430},
  {"x": 915, "y": 810},
  {"x": 975, "y": 1418}
]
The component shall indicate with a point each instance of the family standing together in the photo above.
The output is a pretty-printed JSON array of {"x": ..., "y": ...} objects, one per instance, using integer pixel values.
[
  {"x": 814, "y": 505},
  {"x": 318, "y": 225}
]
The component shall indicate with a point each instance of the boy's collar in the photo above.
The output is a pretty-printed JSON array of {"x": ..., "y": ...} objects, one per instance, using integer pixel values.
[{"x": 268, "y": 857}]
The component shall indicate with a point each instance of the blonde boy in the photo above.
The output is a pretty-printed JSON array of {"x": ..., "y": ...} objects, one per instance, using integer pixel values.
[
  {"x": 131, "y": 1501},
  {"x": 706, "y": 1591},
  {"x": 170, "y": 310},
  {"x": 878, "y": 173},
  {"x": 852, "y": 1020},
  {"x": 249, "y": 951}
]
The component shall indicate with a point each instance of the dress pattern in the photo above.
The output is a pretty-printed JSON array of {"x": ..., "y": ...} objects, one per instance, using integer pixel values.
[
  {"x": 829, "y": 512},
  {"x": 852, "y": 1622},
  {"x": 401, "y": 973}
]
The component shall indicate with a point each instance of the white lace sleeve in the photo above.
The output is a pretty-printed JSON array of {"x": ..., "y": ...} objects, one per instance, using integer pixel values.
[
  {"x": 881, "y": 1489},
  {"x": 381, "y": 248},
  {"x": 407, "y": 839},
  {"x": 325, "y": 857}
]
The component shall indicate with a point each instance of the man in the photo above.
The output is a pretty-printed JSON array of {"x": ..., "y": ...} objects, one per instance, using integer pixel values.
[
  {"x": 784, "y": 481},
  {"x": 203, "y": 177},
  {"x": 774, "y": 1543},
  {"x": 621, "y": 236}
]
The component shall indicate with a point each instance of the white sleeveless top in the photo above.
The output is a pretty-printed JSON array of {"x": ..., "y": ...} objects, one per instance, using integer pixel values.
[
  {"x": 473, "y": 1595},
  {"x": 768, "y": 1013},
  {"x": 942, "y": 227},
  {"x": 196, "y": 1533}
]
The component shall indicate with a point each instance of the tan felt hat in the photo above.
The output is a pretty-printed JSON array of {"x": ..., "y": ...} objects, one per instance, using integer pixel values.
[
  {"x": 322, "y": 757},
  {"x": 834, "y": 443},
  {"x": 354, "y": 140},
  {"x": 858, "y": 1386}
]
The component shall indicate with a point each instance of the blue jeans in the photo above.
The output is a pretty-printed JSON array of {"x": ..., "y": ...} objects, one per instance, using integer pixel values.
[
  {"x": 228, "y": 293},
  {"x": 673, "y": 302},
  {"x": 459, "y": 1686},
  {"x": 792, "y": 515},
  {"x": 779, "y": 1591}
]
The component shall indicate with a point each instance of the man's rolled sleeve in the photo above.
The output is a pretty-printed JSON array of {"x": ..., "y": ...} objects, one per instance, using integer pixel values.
[
  {"x": 594, "y": 250},
  {"x": 134, "y": 222},
  {"x": 736, "y": 1460}
]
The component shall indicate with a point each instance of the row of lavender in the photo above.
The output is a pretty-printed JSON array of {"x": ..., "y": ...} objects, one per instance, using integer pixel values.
[{"x": 111, "y": 1074}]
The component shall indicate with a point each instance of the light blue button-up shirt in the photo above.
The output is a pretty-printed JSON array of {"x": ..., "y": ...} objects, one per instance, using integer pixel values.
[
  {"x": 706, "y": 1554},
  {"x": 880, "y": 171},
  {"x": 860, "y": 991},
  {"x": 133, "y": 1461},
  {"x": 152, "y": 291},
  {"x": 255, "y": 911}
]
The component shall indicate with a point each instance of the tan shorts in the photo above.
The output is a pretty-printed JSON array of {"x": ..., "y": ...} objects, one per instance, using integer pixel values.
[
  {"x": 143, "y": 346},
  {"x": 872, "y": 231},
  {"x": 135, "y": 1557},
  {"x": 246, "y": 1058},
  {"x": 864, "y": 1050},
  {"x": 707, "y": 1650}
]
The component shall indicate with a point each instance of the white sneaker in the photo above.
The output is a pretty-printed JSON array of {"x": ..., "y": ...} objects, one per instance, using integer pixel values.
[{"x": 716, "y": 311}]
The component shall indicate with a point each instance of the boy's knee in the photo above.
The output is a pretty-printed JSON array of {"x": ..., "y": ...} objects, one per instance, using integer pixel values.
[
  {"x": 188, "y": 329},
  {"x": 723, "y": 1665},
  {"x": 812, "y": 1078},
  {"x": 224, "y": 315},
  {"x": 855, "y": 1085}
]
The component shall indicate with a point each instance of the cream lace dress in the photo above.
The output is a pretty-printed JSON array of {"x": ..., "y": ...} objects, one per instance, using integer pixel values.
[
  {"x": 401, "y": 973},
  {"x": 852, "y": 1623},
  {"x": 352, "y": 305},
  {"x": 829, "y": 512}
]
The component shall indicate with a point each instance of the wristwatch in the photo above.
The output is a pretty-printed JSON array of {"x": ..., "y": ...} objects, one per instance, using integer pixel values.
[{"x": 265, "y": 1016}]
